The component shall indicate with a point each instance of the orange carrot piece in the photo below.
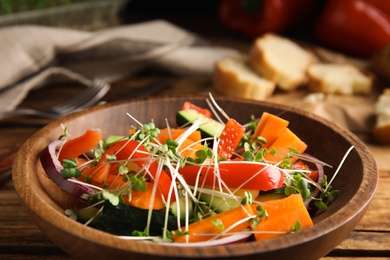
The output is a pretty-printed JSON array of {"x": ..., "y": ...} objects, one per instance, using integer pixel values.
[
  {"x": 98, "y": 173},
  {"x": 228, "y": 218},
  {"x": 174, "y": 133},
  {"x": 282, "y": 145},
  {"x": 283, "y": 214},
  {"x": 188, "y": 148},
  {"x": 80, "y": 145},
  {"x": 269, "y": 127},
  {"x": 141, "y": 199},
  {"x": 230, "y": 138}
]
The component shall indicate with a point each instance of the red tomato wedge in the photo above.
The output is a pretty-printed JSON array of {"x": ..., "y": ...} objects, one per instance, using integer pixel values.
[
  {"x": 130, "y": 149},
  {"x": 230, "y": 138},
  {"x": 235, "y": 174},
  {"x": 188, "y": 105}
]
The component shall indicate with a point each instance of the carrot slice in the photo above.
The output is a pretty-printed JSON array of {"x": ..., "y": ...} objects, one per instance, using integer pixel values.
[
  {"x": 205, "y": 229},
  {"x": 269, "y": 127},
  {"x": 282, "y": 216},
  {"x": 188, "y": 105},
  {"x": 80, "y": 145},
  {"x": 174, "y": 133},
  {"x": 141, "y": 199},
  {"x": 188, "y": 148},
  {"x": 230, "y": 138},
  {"x": 282, "y": 145}
]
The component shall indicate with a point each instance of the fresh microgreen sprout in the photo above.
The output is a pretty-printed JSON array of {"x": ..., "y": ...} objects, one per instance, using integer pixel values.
[
  {"x": 248, "y": 199},
  {"x": 110, "y": 157},
  {"x": 180, "y": 233},
  {"x": 71, "y": 214},
  {"x": 138, "y": 233},
  {"x": 123, "y": 169},
  {"x": 218, "y": 223},
  {"x": 137, "y": 183},
  {"x": 112, "y": 198},
  {"x": 261, "y": 215},
  {"x": 64, "y": 135},
  {"x": 298, "y": 185},
  {"x": 297, "y": 226},
  {"x": 70, "y": 169}
]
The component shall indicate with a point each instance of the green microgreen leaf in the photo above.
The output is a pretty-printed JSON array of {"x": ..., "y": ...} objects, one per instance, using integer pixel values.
[
  {"x": 248, "y": 198},
  {"x": 123, "y": 169},
  {"x": 218, "y": 223},
  {"x": 137, "y": 183},
  {"x": 71, "y": 214},
  {"x": 112, "y": 198},
  {"x": 110, "y": 157},
  {"x": 70, "y": 169},
  {"x": 297, "y": 226}
]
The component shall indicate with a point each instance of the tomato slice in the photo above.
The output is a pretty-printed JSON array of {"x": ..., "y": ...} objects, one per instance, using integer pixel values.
[
  {"x": 230, "y": 138},
  {"x": 188, "y": 105},
  {"x": 235, "y": 174}
]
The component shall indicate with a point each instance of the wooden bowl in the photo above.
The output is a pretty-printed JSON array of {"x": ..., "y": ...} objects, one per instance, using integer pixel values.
[{"x": 357, "y": 181}]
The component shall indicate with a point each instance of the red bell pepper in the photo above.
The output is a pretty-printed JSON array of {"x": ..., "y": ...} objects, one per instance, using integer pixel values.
[
  {"x": 256, "y": 17},
  {"x": 357, "y": 27},
  {"x": 235, "y": 174}
]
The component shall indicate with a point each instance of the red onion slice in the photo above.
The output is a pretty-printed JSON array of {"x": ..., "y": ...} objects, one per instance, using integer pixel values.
[
  {"x": 321, "y": 174},
  {"x": 231, "y": 239},
  {"x": 53, "y": 169}
]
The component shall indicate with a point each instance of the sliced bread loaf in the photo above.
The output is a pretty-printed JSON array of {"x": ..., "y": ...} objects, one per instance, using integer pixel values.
[
  {"x": 234, "y": 77},
  {"x": 342, "y": 79},
  {"x": 280, "y": 60}
]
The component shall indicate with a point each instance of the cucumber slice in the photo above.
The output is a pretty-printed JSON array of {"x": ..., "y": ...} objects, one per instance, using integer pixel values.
[
  {"x": 220, "y": 203},
  {"x": 209, "y": 127},
  {"x": 182, "y": 206}
]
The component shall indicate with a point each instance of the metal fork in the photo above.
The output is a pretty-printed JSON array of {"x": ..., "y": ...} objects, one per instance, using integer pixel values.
[{"x": 88, "y": 97}]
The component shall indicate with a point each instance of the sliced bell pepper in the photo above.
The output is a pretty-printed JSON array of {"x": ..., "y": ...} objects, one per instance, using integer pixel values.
[
  {"x": 253, "y": 18},
  {"x": 357, "y": 27},
  {"x": 80, "y": 145},
  {"x": 235, "y": 174}
]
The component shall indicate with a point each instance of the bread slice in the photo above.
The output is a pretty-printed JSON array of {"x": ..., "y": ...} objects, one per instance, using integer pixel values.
[
  {"x": 280, "y": 60},
  {"x": 381, "y": 129},
  {"x": 342, "y": 79},
  {"x": 234, "y": 77}
]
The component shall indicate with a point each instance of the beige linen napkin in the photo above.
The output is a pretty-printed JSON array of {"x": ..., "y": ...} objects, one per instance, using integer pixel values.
[
  {"x": 353, "y": 112},
  {"x": 33, "y": 56}
]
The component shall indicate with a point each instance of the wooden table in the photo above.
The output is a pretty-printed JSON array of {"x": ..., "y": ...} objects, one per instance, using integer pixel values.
[{"x": 21, "y": 239}]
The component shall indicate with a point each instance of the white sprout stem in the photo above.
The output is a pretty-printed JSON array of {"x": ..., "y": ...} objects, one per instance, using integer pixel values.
[
  {"x": 218, "y": 107},
  {"x": 134, "y": 119},
  {"x": 214, "y": 112},
  {"x": 340, "y": 165},
  {"x": 188, "y": 132},
  {"x": 226, "y": 231},
  {"x": 85, "y": 184}
]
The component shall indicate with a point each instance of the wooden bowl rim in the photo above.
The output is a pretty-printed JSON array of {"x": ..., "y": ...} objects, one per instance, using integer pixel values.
[{"x": 31, "y": 199}]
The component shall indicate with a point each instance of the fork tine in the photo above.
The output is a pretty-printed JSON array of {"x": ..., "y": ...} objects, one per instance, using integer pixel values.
[{"x": 87, "y": 98}]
